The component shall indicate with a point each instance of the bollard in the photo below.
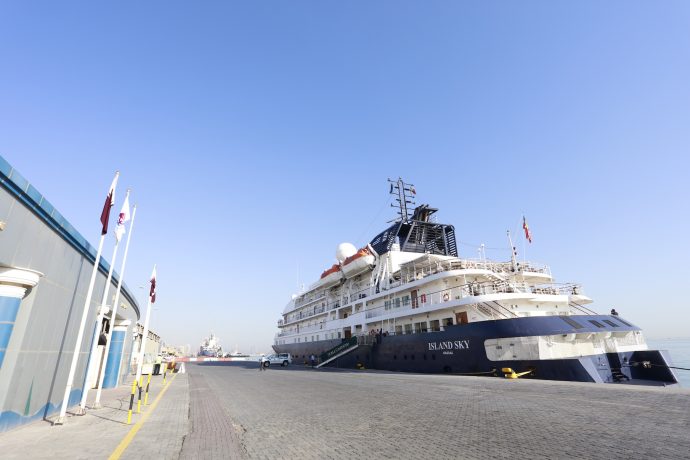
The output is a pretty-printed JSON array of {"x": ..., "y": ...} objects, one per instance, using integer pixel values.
[
  {"x": 141, "y": 383},
  {"x": 146, "y": 398},
  {"x": 131, "y": 402}
]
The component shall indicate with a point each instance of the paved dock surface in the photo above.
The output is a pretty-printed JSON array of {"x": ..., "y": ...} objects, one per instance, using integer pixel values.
[{"x": 231, "y": 410}]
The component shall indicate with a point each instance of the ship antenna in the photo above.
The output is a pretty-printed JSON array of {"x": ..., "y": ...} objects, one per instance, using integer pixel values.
[
  {"x": 513, "y": 253},
  {"x": 403, "y": 195}
]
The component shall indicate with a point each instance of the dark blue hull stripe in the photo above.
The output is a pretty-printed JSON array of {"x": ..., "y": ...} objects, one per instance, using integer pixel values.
[{"x": 460, "y": 350}]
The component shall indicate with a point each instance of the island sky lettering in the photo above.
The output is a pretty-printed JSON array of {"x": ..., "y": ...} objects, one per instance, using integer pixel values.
[{"x": 449, "y": 345}]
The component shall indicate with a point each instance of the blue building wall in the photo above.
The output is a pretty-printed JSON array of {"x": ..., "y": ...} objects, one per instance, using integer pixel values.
[
  {"x": 112, "y": 365},
  {"x": 9, "y": 306}
]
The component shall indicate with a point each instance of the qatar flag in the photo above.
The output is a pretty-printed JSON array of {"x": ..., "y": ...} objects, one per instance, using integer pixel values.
[
  {"x": 124, "y": 217},
  {"x": 525, "y": 227},
  {"x": 109, "y": 201},
  {"x": 152, "y": 292}
]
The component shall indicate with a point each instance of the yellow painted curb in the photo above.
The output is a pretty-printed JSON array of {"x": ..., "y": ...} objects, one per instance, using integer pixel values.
[{"x": 119, "y": 450}]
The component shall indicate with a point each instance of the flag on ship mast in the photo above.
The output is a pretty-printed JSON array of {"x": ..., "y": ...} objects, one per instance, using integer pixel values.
[
  {"x": 109, "y": 201},
  {"x": 152, "y": 292},
  {"x": 124, "y": 217},
  {"x": 525, "y": 227}
]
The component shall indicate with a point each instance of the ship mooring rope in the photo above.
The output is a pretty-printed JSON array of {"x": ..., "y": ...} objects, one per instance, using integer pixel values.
[
  {"x": 492, "y": 371},
  {"x": 659, "y": 365}
]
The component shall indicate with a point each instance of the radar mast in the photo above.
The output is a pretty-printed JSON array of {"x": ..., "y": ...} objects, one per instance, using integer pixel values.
[{"x": 404, "y": 195}]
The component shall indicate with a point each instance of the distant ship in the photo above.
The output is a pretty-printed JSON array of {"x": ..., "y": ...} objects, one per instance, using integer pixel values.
[
  {"x": 407, "y": 301},
  {"x": 211, "y": 347}
]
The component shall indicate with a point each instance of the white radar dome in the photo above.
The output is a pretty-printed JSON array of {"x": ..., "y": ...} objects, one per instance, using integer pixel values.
[{"x": 344, "y": 251}]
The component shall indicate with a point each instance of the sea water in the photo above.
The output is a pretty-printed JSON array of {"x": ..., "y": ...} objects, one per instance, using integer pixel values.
[{"x": 679, "y": 349}]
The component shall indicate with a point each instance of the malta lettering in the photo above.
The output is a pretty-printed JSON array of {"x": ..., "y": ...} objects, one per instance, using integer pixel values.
[{"x": 449, "y": 345}]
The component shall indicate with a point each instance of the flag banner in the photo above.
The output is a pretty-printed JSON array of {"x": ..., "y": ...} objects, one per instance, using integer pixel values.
[
  {"x": 525, "y": 227},
  {"x": 109, "y": 201},
  {"x": 124, "y": 217},
  {"x": 152, "y": 292}
]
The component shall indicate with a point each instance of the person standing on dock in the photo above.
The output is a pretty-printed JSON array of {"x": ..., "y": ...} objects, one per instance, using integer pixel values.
[
  {"x": 157, "y": 365},
  {"x": 261, "y": 364},
  {"x": 312, "y": 360}
]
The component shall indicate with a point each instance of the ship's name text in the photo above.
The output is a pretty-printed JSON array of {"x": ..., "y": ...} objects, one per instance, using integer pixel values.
[{"x": 450, "y": 345}]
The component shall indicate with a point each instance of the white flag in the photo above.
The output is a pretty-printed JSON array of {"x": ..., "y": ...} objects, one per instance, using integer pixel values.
[{"x": 124, "y": 217}]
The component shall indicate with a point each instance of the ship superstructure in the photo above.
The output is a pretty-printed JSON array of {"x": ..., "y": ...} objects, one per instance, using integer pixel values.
[
  {"x": 407, "y": 301},
  {"x": 211, "y": 347}
]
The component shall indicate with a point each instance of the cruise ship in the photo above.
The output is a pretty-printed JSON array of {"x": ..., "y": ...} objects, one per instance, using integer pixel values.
[{"x": 408, "y": 302}]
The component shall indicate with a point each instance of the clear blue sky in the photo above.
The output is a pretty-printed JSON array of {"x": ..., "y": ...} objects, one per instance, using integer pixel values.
[{"x": 256, "y": 136}]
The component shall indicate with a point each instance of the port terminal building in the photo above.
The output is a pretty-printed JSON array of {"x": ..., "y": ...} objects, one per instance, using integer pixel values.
[{"x": 45, "y": 267}]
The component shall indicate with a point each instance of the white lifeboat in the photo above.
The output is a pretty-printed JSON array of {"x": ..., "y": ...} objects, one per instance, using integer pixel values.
[
  {"x": 330, "y": 277},
  {"x": 360, "y": 262}
]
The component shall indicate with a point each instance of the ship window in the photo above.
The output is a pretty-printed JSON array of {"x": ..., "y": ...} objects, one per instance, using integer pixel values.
[
  {"x": 434, "y": 325},
  {"x": 387, "y": 304},
  {"x": 596, "y": 323},
  {"x": 572, "y": 322},
  {"x": 406, "y": 300},
  {"x": 397, "y": 302},
  {"x": 408, "y": 329},
  {"x": 611, "y": 323},
  {"x": 624, "y": 322}
]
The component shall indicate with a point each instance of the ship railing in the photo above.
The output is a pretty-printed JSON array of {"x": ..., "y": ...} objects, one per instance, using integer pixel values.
[
  {"x": 581, "y": 308},
  {"x": 313, "y": 328},
  {"x": 556, "y": 289},
  {"x": 300, "y": 301},
  {"x": 413, "y": 271}
]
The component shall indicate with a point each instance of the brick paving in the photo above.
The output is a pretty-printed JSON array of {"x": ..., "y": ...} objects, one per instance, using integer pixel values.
[
  {"x": 298, "y": 413},
  {"x": 230, "y": 410},
  {"x": 211, "y": 432}
]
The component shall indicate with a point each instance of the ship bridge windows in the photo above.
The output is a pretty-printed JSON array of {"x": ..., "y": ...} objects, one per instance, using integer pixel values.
[
  {"x": 572, "y": 322},
  {"x": 596, "y": 323},
  {"x": 611, "y": 323},
  {"x": 624, "y": 322}
]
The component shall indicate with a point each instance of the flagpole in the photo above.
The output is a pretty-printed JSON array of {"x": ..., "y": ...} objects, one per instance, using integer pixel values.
[
  {"x": 96, "y": 334},
  {"x": 116, "y": 303},
  {"x": 144, "y": 336},
  {"x": 85, "y": 311}
]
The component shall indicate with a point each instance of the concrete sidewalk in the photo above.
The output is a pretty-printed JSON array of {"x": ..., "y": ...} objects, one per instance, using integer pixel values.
[{"x": 99, "y": 433}]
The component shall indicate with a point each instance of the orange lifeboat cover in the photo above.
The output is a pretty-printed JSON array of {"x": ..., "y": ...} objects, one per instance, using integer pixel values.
[
  {"x": 361, "y": 253},
  {"x": 333, "y": 269}
]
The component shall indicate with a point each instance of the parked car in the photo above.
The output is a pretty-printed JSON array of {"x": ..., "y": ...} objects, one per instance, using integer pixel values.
[{"x": 280, "y": 358}]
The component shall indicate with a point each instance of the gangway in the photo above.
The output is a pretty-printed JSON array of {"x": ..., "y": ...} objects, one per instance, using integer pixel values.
[{"x": 345, "y": 347}]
